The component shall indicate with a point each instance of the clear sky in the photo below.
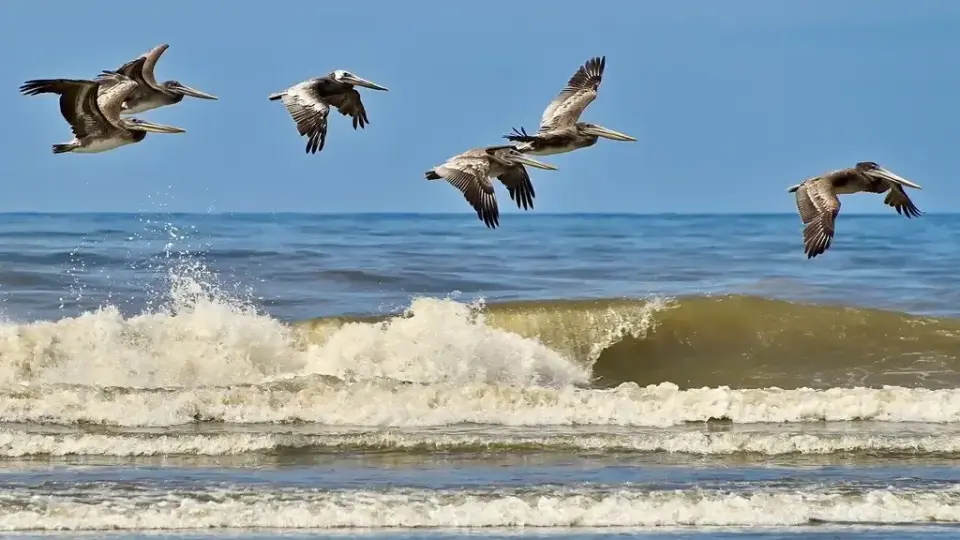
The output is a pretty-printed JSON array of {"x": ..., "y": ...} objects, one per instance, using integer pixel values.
[{"x": 731, "y": 101}]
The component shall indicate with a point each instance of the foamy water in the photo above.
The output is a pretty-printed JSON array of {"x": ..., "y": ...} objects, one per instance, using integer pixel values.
[
  {"x": 392, "y": 403},
  {"x": 15, "y": 443},
  {"x": 456, "y": 414},
  {"x": 439, "y": 364},
  {"x": 100, "y": 508},
  {"x": 209, "y": 342}
]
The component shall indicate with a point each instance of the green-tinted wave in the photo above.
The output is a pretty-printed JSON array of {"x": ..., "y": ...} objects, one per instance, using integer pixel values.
[{"x": 738, "y": 341}]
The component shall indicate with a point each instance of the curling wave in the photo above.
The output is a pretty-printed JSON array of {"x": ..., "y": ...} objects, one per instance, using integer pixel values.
[
  {"x": 731, "y": 340},
  {"x": 600, "y": 362}
]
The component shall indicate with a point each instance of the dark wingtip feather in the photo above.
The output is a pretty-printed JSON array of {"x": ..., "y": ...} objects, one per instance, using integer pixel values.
[
  {"x": 519, "y": 135},
  {"x": 595, "y": 66},
  {"x": 315, "y": 143},
  {"x": 431, "y": 175},
  {"x": 35, "y": 86},
  {"x": 110, "y": 74},
  {"x": 492, "y": 221}
]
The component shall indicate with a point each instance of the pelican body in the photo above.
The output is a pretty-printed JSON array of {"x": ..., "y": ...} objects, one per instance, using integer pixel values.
[
  {"x": 563, "y": 140},
  {"x": 309, "y": 102},
  {"x": 471, "y": 171},
  {"x": 96, "y": 122},
  {"x": 150, "y": 94},
  {"x": 560, "y": 131},
  {"x": 818, "y": 202}
]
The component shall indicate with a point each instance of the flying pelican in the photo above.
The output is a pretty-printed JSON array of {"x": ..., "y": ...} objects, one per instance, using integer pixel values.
[
  {"x": 559, "y": 130},
  {"x": 470, "y": 172},
  {"x": 819, "y": 205},
  {"x": 150, "y": 94},
  {"x": 309, "y": 102},
  {"x": 96, "y": 123}
]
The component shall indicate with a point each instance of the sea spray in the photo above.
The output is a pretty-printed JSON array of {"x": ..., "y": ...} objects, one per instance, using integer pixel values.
[
  {"x": 438, "y": 341},
  {"x": 202, "y": 337}
]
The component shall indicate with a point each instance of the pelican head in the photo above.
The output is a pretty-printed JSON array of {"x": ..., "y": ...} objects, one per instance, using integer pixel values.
[
  {"x": 349, "y": 78},
  {"x": 136, "y": 124},
  {"x": 179, "y": 89},
  {"x": 877, "y": 172},
  {"x": 600, "y": 131},
  {"x": 513, "y": 155}
]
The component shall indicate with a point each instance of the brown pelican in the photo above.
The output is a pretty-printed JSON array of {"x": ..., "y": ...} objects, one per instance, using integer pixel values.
[
  {"x": 149, "y": 93},
  {"x": 96, "y": 123},
  {"x": 470, "y": 172},
  {"x": 309, "y": 102},
  {"x": 559, "y": 130},
  {"x": 818, "y": 204}
]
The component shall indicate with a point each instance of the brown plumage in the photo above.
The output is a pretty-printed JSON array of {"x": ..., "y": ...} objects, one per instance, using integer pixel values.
[
  {"x": 309, "y": 102},
  {"x": 150, "y": 94},
  {"x": 95, "y": 120},
  {"x": 471, "y": 171},
  {"x": 580, "y": 91},
  {"x": 818, "y": 202},
  {"x": 560, "y": 130}
]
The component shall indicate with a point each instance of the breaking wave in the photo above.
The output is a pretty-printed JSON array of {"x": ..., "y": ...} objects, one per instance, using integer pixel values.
[{"x": 654, "y": 363}]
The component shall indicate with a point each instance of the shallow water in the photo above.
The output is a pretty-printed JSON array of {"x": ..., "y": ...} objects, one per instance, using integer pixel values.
[{"x": 252, "y": 376}]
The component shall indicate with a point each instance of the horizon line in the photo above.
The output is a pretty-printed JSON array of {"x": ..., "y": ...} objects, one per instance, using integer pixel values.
[{"x": 432, "y": 214}]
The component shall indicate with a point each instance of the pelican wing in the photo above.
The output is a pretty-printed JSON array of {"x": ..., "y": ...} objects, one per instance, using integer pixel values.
[
  {"x": 818, "y": 206},
  {"x": 142, "y": 71},
  {"x": 78, "y": 104},
  {"x": 517, "y": 181},
  {"x": 898, "y": 199},
  {"x": 310, "y": 114},
  {"x": 581, "y": 90},
  {"x": 114, "y": 89},
  {"x": 349, "y": 104},
  {"x": 470, "y": 175}
]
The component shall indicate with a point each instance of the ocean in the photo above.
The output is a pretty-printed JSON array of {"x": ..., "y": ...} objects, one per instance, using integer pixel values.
[{"x": 421, "y": 376}]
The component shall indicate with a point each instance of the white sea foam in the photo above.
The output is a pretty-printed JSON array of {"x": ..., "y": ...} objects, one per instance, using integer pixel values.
[
  {"x": 202, "y": 357},
  {"x": 391, "y": 403},
  {"x": 576, "y": 507},
  {"x": 19, "y": 443},
  {"x": 201, "y": 340}
]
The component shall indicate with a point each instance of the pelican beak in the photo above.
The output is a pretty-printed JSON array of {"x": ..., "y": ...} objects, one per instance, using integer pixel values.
[
  {"x": 880, "y": 172},
  {"x": 192, "y": 92},
  {"x": 526, "y": 160},
  {"x": 143, "y": 125},
  {"x": 601, "y": 131},
  {"x": 357, "y": 81}
]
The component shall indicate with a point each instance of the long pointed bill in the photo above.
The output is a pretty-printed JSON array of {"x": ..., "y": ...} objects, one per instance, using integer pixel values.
[
  {"x": 887, "y": 175},
  {"x": 357, "y": 81},
  {"x": 158, "y": 128},
  {"x": 192, "y": 92},
  {"x": 527, "y": 160},
  {"x": 601, "y": 131}
]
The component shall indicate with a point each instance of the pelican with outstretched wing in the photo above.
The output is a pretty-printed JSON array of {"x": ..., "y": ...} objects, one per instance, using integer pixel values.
[
  {"x": 96, "y": 122},
  {"x": 471, "y": 171},
  {"x": 309, "y": 102},
  {"x": 150, "y": 94},
  {"x": 560, "y": 129},
  {"x": 819, "y": 205}
]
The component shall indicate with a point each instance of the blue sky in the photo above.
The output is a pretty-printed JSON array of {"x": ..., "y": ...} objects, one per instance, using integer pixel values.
[{"x": 731, "y": 102}]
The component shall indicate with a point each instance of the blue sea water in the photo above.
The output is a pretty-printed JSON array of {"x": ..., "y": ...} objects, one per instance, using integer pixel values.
[{"x": 576, "y": 376}]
